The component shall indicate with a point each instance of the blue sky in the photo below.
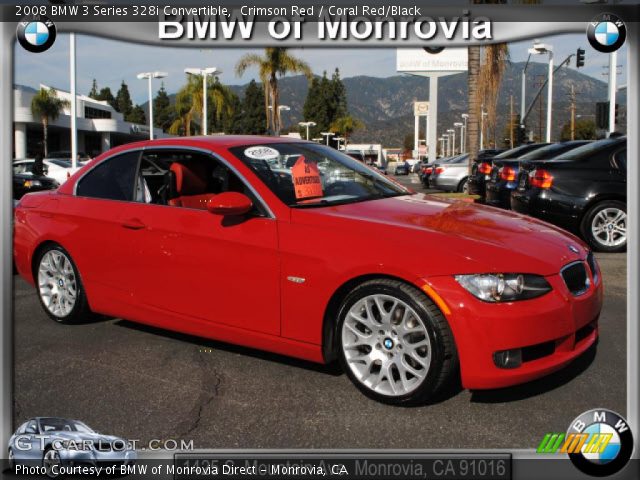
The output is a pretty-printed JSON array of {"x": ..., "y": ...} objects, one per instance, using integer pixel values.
[{"x": 111, "y": 62}]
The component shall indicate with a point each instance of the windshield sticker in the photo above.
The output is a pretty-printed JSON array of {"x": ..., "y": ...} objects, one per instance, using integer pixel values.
[
  {"x": 306, "y": 179},
  {"x": 260, "y": 152}
]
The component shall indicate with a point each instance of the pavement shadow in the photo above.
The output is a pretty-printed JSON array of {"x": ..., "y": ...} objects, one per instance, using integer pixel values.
[
  {"x": 539, "y": 386},
  {"x": 330, "y": 369}
]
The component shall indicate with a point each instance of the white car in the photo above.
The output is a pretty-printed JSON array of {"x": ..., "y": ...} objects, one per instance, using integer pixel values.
[{"x": 58, "y": 169}]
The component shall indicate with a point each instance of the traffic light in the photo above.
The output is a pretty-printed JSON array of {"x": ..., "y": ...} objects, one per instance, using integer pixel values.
[
  {"x": 602, "y": 115},
  {"x": 580, "y": 58}
]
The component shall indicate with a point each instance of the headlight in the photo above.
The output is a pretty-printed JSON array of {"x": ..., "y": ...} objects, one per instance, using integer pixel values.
[{"x": 504, "y": 287}]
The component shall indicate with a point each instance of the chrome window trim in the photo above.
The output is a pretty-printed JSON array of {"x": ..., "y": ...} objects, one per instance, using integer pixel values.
[
  {"x": 210, "y": 153},
  {"x": 586, "y": 271}
]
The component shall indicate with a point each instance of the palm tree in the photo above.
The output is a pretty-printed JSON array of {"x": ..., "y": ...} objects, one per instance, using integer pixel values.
[
  {"x": 473, "y": 122},
  {"x": 346, "y": 126},
  {"x": 276, "y": 62},
  {"x": 184, "y": 113},
  {"x": 47, "y": 106},
  {"x": 218, "y": 97},
  {"x": 492, "y": 70}
]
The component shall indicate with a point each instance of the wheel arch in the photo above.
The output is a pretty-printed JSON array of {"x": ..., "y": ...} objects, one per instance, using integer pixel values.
[
  {"x": 603, "y": 197},
  {"x": 36, "y": 253},
  {"x": 330, "y": 317}
]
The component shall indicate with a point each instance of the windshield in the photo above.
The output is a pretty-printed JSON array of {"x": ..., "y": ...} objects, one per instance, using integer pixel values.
[
  {"x": 63, "y": 425},
  {"x": 589, "y": 149},
  {"x": 311, "y": 175},
  {"x": 551, "y": 151}
]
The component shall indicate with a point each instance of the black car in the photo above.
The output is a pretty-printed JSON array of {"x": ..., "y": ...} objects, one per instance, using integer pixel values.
[
  {"x": 504, "y": 173},
  {"x": 402, "y": 168},
  {"x": 583, "y": 191},
  {"x": 24, "y": 183},
  {"x": 481, "y": 169}
]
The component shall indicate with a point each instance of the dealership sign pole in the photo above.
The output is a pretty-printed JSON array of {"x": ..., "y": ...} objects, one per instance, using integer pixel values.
[{"x": 432, "y": 63}]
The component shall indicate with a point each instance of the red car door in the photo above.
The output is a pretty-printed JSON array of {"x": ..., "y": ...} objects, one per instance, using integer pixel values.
[{"x": 206, "y": 266}]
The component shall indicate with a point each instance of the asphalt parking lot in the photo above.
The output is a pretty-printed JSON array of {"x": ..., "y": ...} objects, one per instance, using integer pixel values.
[{"x": 143, "y": 383}]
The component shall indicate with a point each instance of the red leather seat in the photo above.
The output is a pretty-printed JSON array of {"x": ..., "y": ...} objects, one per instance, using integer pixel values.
[{"x": 191, "y": 186}]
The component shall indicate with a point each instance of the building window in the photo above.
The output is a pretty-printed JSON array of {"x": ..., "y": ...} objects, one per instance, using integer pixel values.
[{"x": 90, "y": 112}]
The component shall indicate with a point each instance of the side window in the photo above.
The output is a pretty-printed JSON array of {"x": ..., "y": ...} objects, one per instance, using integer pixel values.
[
  {"x": 186, "y": 179},
  {"x": 112, "y": 179}
]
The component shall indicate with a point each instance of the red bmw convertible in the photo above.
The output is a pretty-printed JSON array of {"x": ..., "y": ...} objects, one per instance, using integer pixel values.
[{"x": 295, "y": 248}]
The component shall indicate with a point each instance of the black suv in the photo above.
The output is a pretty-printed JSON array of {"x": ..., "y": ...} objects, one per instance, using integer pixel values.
[
  {"x": 481, "y": 168},
  {"x": 583, "y": 190},
  {"x": 504, "y": 173}
]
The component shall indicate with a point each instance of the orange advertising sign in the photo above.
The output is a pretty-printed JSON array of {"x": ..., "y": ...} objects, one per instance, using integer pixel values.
[{"x": 306, "y": 179}]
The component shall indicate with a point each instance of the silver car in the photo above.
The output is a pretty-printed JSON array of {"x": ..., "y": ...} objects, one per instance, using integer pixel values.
[
  {"x": 50, "y": 441},
  {"x": 451, "y": 174}
]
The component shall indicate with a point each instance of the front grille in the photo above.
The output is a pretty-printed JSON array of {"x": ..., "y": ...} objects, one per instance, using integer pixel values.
[
  {"x": 576, "y": 278},
  {"x": 591, "y": 260}
]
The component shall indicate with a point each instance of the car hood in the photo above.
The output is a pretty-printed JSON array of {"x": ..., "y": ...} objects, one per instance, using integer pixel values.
[
  {"x": 81, "y": 436},
  {"x": 464, "y": 237}
]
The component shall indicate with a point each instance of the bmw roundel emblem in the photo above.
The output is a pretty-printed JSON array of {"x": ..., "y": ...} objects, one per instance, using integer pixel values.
[
  {"x": 607, "y": 32},
  {"x": 388, "y": 343},
  {"x": 36, "y": 34},
  {"x": 608, "y": 442}
]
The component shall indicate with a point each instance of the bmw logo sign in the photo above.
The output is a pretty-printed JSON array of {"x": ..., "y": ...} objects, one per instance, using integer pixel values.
[
  {"x": 608, "y": 443},
  {"x": 37, "y": 34},
  {"x": 388, "y": 343},
  {"x": 606, "y": 32}
]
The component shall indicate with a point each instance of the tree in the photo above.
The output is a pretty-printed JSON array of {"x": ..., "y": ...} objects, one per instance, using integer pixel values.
[
  {"x": 184, "y": 113},
  {"x": 252, "y": 110},
  {"x": 473, "y": 122},
  {"x": 346, "y": 126},
  {"x": 137, "y": 115},
  {"x": 276, "y": 62},
  {"x": 492, "y": 70},
  {"x": 106, "y": 96},
  {"x": 163, "y": 115},
  {"x": 585, "y": 129},
  {"x": 46, "y": 106},
  {"x": 326, "y": 102},
  {"x": 124, "y": 105},
  {"x": 94, "y": 90}
]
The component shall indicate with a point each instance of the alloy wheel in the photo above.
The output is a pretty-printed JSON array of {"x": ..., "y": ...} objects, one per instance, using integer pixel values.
[
  {"x": 51, "y": 459},
  {"x": 57, "y": 283},
  {"x": 609, "y": 227},
  {"x": 386, "y": 345}
]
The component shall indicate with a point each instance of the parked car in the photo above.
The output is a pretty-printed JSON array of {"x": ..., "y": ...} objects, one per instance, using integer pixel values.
[
  {"x": 412, "y": 164},
  {"x": 402, "y": 168},
  {"x": 59, "y": 170},
  {"x": 24, "y": 183},
  {"x": 481, "y": 170},
  {"x": 504, "y": 174},
  {"x": 424, "y": 172},
  {"x": 66, "y": 155},
  {"x": 296, "y": 272},
  {"x": 52, "y": 442},
  {"x": 583, "y": 191},
  {"x": 451, "y": 175}
]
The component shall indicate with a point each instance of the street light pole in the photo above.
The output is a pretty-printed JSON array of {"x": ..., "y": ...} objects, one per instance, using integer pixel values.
[
  {"x": 482, "y": 115},
  {"x": 452, "y": 132},
  {"x": 522, "y": 93},
  {"x": 538, "y": 49},
  {"x": 148, "y": 76},
  {"x": 307, "y": 125},
  {"x": 204, "y": 72},
  {"x": 327, "y": 135},
  {"x": 459, "y": 125},
  {"x": 465, "y": 117}
]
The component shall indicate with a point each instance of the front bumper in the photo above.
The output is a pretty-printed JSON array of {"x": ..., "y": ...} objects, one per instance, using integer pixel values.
[{"x": 551, "y": 331}]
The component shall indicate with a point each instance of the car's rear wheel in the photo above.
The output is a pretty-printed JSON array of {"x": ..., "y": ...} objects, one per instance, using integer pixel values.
[
  {"x": 464, "y": 185},
  {"x": 604, "y": 226},
  {"x": 59, "y": 286},
  {"x": 395, "y": 344}
]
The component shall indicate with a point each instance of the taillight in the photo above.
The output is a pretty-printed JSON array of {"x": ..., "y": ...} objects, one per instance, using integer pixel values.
[
  {"x": 439, "y": 170},
  {"x": 485, "y": 168},
  {"x": 541, "y": 179},
  {"x": 508, "y": 174},
  {"x": 428, "y": 170}
]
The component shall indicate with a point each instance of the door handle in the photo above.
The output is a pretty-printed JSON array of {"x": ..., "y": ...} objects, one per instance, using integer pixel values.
[{"x": 133, "y": 224}]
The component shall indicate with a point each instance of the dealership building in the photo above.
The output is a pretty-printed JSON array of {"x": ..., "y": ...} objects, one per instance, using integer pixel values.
[{"x": 100, "y": 127}]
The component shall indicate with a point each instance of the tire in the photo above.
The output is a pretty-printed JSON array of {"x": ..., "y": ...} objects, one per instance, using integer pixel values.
[
  {"x": 404, "y": 357},
  {"x": 12, "y": 461},
  {"x": 50, "y": 457},
  {"x": 463, "y": 186},
  {"x": 604, "y": 227},
  {"x": 57, "y": 296}
]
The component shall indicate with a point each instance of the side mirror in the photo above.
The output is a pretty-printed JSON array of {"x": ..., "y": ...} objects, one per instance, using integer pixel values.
[{"x": 230, "y": 203}]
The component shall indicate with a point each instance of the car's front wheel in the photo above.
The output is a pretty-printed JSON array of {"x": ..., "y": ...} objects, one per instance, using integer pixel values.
[
  {"x": 59, "y": 286},
  {"x": 395, "y": 344},
  {"x": 12, "y": 460},
  {"x": 51, "y": 462},
  {"x": 604, "y": 227}
]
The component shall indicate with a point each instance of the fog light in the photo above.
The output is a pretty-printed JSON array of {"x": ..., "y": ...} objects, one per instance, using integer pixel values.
[{"x": 508, "y": 358}]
